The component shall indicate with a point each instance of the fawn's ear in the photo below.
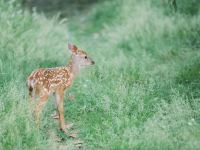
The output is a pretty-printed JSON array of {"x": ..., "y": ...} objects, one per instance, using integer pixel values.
[{"x": 72, "y": 48}]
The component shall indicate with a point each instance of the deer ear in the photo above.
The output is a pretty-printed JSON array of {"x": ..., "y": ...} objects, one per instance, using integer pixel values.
[{"x": 72, "y": 48}]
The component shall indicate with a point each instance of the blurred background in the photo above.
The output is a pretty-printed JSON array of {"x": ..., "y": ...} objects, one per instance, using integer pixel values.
[
  {"x": 64, "y": 7},
  {"x": 68, "y": 7},
  {"x": 143, "y": 91}
]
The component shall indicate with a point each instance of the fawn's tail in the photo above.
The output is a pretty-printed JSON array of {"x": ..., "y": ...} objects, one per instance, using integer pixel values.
[{"x": 30, "y": 84}]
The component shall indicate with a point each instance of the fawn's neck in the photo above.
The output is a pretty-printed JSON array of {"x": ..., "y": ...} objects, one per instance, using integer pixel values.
[{"x": 74, "y": 66}]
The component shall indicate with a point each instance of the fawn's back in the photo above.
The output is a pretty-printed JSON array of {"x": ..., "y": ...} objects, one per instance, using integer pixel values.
[{"x": 47, "y": 80}]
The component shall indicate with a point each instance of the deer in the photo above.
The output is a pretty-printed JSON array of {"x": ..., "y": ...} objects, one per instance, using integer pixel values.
[{"x": 46, "y": 81}]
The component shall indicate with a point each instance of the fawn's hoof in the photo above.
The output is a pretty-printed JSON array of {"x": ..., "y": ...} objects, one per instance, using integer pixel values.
[
  {"x": 66, "y": 127},
  {"x": 64, "y": 131}
]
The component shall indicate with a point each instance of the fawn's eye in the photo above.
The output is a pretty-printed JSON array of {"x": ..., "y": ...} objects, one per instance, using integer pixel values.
[{"x": 85, "y": 57}]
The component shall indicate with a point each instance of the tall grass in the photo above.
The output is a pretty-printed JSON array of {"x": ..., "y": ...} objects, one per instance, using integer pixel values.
[{"x": 143, "y": 92}]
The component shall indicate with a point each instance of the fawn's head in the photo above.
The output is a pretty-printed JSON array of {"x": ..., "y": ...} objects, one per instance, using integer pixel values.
[{"x": 79, "y": 56}]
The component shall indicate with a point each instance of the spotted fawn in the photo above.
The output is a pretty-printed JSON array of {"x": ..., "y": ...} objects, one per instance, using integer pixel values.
[{"x": 45, "y": 81}]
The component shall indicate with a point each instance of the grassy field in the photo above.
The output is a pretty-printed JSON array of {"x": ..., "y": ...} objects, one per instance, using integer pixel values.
[{"x": 142, "y": 93}]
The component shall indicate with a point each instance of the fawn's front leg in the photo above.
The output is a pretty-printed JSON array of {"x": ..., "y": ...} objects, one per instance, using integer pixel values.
[{"x": 60, "y": 106}]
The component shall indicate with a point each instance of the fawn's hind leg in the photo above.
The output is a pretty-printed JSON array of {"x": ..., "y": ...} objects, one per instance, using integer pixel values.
[
  {"x": 42, "y": 101},
  {"x": 55, "y": 115}
]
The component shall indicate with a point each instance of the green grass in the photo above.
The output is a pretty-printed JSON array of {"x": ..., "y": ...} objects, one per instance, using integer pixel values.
[{"x": 142, "y": 93}]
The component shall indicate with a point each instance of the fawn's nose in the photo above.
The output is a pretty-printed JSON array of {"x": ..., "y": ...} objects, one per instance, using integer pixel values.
[{"x": 92, "y": 62}]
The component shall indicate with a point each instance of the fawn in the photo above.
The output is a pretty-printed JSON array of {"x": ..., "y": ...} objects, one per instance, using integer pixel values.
[{"x": 45, "y": 81}]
